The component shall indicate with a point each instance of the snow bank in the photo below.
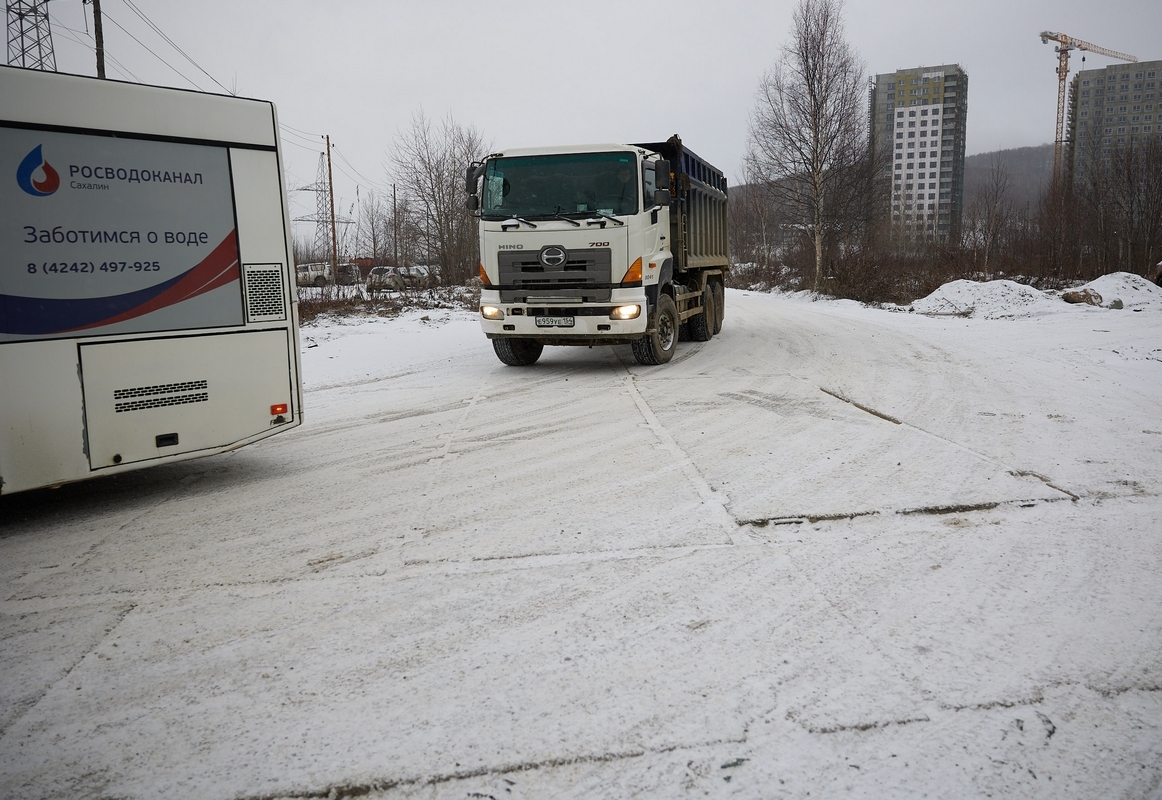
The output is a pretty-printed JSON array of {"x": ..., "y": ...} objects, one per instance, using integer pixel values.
[
  {"x": 1009, "y": 300},
  {"x": 1133, "y": 290},
  {"x": 991, "y": 300}
]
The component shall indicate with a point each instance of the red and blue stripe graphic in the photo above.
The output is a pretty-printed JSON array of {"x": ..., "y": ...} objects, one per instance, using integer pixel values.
[{"x": 38, "y": 316}]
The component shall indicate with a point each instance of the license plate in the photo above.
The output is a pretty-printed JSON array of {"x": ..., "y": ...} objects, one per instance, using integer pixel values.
[{"x": 554, "y": 322}]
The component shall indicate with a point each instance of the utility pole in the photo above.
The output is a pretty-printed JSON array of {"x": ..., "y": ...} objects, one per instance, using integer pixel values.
[
  {"x": 331, "y": 194},
  {"x": 99, "y": 36},
  {"x": 324, "y": 216},
  {"x": 29, "y": 35},
  {"x": 394, "y": 229}
]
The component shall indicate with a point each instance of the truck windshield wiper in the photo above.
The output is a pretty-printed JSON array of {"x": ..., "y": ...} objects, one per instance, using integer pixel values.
[
  {"x": 558, "y": 215},
  {"x": 601, "y": 221},
  {"x": 514, "y": 222}
]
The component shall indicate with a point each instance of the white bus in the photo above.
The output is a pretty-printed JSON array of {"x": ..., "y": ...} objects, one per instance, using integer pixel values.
[{"x": 147, "y": 305}]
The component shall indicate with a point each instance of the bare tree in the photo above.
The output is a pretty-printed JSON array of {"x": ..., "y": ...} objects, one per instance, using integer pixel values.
[
  {"x": 755, "y": 224},
  {"x": 429, "y": 165},
  {"x": 304, "y": 249},
  {"x": 373, "y": 229},
  {"x": 1117, "y": 188},
  {"x": 1135, "y": 189},
  {"x": 808, "y": 136},
  {"x": 988, "y": 217}
]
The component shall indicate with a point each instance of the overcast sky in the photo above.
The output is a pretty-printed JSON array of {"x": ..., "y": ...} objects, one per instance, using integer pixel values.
[{"x": 540, "y": 72}]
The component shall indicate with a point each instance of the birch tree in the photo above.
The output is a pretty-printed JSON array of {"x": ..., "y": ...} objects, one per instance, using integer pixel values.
[{"x": 808, "y": 135}]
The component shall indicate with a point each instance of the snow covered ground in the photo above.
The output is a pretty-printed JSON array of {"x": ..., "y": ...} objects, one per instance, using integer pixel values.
[{"x": 835, "y": 551}]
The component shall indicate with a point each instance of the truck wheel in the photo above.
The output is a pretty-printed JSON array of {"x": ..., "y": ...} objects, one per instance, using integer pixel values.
[
  {"x": 719, "y": 306},
  {"x": 702, "y": 325},
  {"x": 658, "y": 347},
  {"x": 320, "y": 282},
  {"x": 517, "y": 352}
]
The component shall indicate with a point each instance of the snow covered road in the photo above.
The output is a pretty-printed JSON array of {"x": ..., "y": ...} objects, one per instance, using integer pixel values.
[{"x": 833, "y": 551}]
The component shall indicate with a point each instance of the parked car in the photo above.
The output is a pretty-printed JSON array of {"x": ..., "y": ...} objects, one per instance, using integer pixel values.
[
  {"x": 320, "y": 274},
  {"x": 313, "y": 274},
  {"x": 379, "y": 280},
  {"x": 350, "y": 275},
  {"x": 398, "y": 278}
]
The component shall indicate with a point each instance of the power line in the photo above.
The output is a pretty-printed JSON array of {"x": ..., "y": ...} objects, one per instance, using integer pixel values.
[
  {"x": 124, "y": 70},
  {"x": 303, "y": 146},
  {"x": 349, "y": 175},
  {"x": 300, "y": 130},
  {"x": 290, "y": 132},
  {"x": 105, "y": 14},
  {"x": 133, "y": 7},
  {"x": 367, "y": 180}
]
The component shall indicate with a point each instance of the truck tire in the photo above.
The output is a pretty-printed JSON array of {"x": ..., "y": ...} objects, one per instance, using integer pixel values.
[
  {"x": 658, "y": 347},
  {"x": 719, "y": 306},
  {"x": 320, "y": 282},
  {"x": 702, "y": 325},
  {"x": 518, "y": 352}
]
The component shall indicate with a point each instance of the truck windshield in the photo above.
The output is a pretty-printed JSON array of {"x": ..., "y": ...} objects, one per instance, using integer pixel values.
[{"x": 570, "y": 184}]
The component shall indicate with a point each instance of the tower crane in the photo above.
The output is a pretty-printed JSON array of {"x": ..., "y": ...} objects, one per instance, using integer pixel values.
[{"x": 1066, "y": 43}]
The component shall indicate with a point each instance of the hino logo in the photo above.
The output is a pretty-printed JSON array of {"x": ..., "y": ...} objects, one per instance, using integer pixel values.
[
  {"x": 511, "y": 247},
  {"x": 553, "y": 256}
]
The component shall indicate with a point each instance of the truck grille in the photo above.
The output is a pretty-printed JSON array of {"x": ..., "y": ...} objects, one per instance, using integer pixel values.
[{"x": 586, "y": 275}]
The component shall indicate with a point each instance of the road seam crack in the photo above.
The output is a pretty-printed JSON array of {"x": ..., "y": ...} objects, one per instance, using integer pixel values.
[
  {"x": 861, "y": 407},
  {"x": 360, "y": 790}
]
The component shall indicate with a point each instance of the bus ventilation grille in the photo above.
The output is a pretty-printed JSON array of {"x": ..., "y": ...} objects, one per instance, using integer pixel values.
[
  {"x": 166, "y": 394},
  {"x": 265, "y": 298}
]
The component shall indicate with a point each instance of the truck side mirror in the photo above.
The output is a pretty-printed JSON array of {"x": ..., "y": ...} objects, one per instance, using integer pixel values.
[
  {"x": 473, "y": 202},
  {"x": 470, "y": 179},
  {"x": 662, "y": 174},
  {"x": 662, "y": 197}
]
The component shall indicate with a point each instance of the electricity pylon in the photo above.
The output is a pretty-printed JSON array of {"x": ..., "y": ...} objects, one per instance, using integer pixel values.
[
  {"x": 29, "y": 35},
  {"x": 324, "y": 218}
]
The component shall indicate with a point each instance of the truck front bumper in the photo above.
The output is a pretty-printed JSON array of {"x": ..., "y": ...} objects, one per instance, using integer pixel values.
[{"x": 563, "y": 323}]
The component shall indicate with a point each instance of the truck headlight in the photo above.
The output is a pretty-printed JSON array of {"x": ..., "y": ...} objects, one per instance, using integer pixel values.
[
  {"x": 626, "y": 312},
  {"x": 491, "y": 312}
]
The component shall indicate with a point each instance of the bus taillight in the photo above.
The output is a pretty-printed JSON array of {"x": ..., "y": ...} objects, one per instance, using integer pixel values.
[{"x": 281, "y": 408}]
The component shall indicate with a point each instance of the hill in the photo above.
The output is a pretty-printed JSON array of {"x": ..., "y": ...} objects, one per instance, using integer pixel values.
[{"x": 1030, "y": 169}]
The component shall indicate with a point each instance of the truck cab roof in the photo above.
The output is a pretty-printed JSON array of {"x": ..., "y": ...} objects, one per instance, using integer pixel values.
[{"x": 607, "y": 147}]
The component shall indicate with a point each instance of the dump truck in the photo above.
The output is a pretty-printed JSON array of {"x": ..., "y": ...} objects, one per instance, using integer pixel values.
[{"x": 607, "y": 244}]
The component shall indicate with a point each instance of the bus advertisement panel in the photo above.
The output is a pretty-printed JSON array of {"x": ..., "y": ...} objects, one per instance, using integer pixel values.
[{"x": 110, "y": 235}]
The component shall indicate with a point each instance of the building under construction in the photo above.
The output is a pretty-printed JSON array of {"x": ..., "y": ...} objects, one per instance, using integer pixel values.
[
  {"x": 917, "y": 124},
  {"x": 1112, "y": 108}
]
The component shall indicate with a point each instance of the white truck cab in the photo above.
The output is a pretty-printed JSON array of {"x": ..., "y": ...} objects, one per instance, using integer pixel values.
[{"x": 578, "y": 247}]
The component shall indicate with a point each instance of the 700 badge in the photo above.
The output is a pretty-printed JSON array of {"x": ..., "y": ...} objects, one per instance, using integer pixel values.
[{"x": 82, "y": 267}]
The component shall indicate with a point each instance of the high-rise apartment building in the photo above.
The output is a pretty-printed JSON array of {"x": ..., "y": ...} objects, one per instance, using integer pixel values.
[
  {"x": 1112, "y": 108},
  {"x": 916, "y": 120}
]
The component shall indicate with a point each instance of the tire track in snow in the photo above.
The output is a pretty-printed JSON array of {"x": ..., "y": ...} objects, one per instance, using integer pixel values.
[
  {"x": 711, "y": 499},
  {"x": 66, "y": 673},
  {"x": 416, "y": 525}
]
